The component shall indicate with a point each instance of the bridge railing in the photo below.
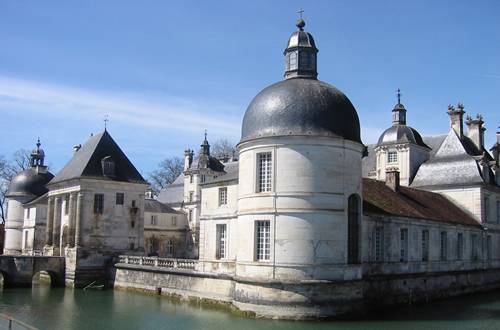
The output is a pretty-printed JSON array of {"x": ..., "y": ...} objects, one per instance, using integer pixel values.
[
  {"x": 158, "y": 262},
  {"x": 8, "y": 322}
]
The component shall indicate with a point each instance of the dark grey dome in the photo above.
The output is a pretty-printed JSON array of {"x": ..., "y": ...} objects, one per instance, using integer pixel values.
[
  {"x": 301, "y": 106},
  {"x": 29, "y": 183},
  {"x": 401, "y": 134},
  {"x": 301, "y": 39}
]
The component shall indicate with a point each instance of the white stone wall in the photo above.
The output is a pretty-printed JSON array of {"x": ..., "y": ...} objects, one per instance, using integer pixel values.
[
  {"x": 409, "y": 159},
  {"x": 307, "y": 207},
  {"x": 468, "y": 198},
  {"x": 164, "y": 230},
  {"x": 35, "y": 226}
]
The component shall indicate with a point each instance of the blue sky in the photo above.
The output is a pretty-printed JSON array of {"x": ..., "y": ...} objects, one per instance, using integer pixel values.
[{"x": 164, "y": 71}]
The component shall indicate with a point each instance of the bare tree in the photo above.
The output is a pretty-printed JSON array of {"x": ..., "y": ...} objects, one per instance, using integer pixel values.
[
  {"x": 223, "y": 148},
  {"x": 168, "y": 170},
  {"x": 8, "y": 169}
]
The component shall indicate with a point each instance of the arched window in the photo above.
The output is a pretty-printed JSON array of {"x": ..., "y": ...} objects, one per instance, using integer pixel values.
[
  {"x": 353, "y": 225},
  {"x": 108, "y": 167}
]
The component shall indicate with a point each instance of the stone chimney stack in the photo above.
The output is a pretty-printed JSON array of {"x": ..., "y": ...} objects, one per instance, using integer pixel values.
[
  {"x": 457, "y": 118},
  {"x": 476, "y": 131},
  {"x": 188, "y": 158},
  {"x": 496, "y": 149},
  {"x": 392, "y": 178}
]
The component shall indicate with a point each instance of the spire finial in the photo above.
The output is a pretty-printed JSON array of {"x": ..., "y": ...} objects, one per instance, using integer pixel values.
[
  {"x": 106, "y": 119},
  {"x": 300, "y": 22},
  {"x": 205, "y": 134},
  {"x": 38, "y": 144},
  {"x": 399, "y": 96}
]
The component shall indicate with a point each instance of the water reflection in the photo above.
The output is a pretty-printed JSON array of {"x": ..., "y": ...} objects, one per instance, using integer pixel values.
[{"x": 57, "y": 308}]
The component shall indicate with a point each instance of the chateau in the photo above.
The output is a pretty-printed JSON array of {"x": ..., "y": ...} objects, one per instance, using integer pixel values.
[{"x": 306, "y": 222}]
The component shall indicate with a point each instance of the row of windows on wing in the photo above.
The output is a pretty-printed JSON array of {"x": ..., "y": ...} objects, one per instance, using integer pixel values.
[
  {"x": 303, "y": 60},
  {"x": 119, "y": 200},
  {"x": 425, "y": 242}
]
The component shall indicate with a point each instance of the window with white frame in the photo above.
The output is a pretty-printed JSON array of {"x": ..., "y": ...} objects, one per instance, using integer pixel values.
[
  {"x": 66, "y": 205},
  {"x": 221, "y": 237},
  {"x": 425, "y": 245},
  {"x": 119, "y": 198},
  {"x": 191, "y": 178},
  {"x": 263, "y": 240},
  {"x": 174, "y": 220},
  {"x": 28, "y": 213},
  {"x": 443, "y": 245},
  {"x": 403, "y": 256},
  {"x": 191, "y": 195},
  {"x": 460, "y": 246},
  {"x": 264, "y": 162},
  {"x": 223, "y": 196},
  {"x": 154, "y": 219},
  {"x": 203, "y": 178},
  {"x": 98, "y": 203},
  {"x": 392, "y": 157},
  {"x": 379, "y": 243}
]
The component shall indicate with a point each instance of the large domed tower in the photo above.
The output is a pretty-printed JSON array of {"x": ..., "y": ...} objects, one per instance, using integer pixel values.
[
  {"x": 26, "y": 186},
  {"x": 299, "y": 206}
]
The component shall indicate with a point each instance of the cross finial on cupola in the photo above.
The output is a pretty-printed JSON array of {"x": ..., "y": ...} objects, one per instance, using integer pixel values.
[
  {"x": 399, "y": 96},
  {"x": 106, "y": 119},
  {"x": 300, "y": 22},
  {"x": 399, "y": 111}
]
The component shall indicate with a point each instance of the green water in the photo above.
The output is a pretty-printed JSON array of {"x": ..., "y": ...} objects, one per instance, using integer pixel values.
[{"x": 50, "y": 308}]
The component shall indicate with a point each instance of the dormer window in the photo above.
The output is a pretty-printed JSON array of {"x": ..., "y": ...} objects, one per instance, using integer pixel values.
[{"x": 108, "y": 167}]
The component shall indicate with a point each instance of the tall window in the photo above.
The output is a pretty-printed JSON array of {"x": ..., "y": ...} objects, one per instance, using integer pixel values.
[
  {"x": 28, "y": 213},
  {"x": 120, "y": 198},
  {"x": 190, "y": 215},
  {"x": 488, "y": 247},
  {"x": 220, "y": 252},
  {"x": 379, "y": 243},
  {"x": 191, "y": 195},
  {"x": 191, "y": 178},
  {"x": 174, "y": 220},
  {"x": 353, "y": 229},
  {"x": 203, "y": 178},
  {"x": 392, "y": 157},
  {"x": 25, "y": 239},
  {"x": 98, "y": 203},
  {"x": 66, "y": 205},
  {"x": 486, "y": 209},
  {"x": 460, "y": 246},
  {"x": 169, "y": 248},
  {"x": 264, "y": 161},
  {"x": 292, "y": 61},
  {"x": 474, "y": 245},
  {"x": 154, "y": 219},
  {"x": 108, "y": 166},
  {"x": 425, "y": 245},
  {"x": 222, "y": 196},
  {"x": 443, "y": 245},
  {"x": 263, "y": 240},
  {"x": 403, "y": 255}
]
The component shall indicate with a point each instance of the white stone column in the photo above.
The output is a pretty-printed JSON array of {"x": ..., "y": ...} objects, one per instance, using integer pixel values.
[
  {"x": 50, "y": 221},
  {"x": 56, "y": 223},
  {"x": 78, "y": 219},
  {"x": 71, "y": 221}
]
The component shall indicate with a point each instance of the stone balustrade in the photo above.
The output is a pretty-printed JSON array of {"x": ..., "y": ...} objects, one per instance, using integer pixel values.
[{"x": 158, "y": 262}]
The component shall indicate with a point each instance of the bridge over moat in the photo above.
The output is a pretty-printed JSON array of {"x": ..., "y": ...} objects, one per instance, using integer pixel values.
[{"x": 19, "y": 270}]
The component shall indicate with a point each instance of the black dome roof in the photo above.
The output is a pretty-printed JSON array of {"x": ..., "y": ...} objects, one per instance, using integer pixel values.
[
  {"x": 301, "y": 106},
  {"x": 401, "y": 134},
  {"x": 29, "y": 183}
]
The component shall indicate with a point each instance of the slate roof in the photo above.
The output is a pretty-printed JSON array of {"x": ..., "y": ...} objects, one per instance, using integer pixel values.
[
  {"x": 231, "y": 172},
  {"x": 86, "y": 162},
  {"x": 401, "y": 134},
  {"x": 451, "y": 165},
  {"x": 412, "y": 203},
  {"x": 173, "y": 194},
  {"x": 155, "y": 206}
]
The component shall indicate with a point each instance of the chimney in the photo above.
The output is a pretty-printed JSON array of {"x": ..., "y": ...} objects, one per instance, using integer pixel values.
[
  {"x": 392, "y": 178},
  {"x": 188, "y": 159},
  {"x": 496, "y": 149},
  {"x": 457, "y": 118},
  {"x": 476, "y": 131}
]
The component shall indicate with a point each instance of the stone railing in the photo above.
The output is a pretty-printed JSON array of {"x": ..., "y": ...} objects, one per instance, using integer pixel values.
[{"x": 158, "y": 262}]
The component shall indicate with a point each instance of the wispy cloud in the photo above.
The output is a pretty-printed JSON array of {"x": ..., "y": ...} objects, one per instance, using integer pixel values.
[
  {"x": 494, "y": 76},
  {"x": 132, "y": 108}
]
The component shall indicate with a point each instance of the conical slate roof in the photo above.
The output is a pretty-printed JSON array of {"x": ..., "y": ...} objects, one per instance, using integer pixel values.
[{"x": 87, "y": 162}]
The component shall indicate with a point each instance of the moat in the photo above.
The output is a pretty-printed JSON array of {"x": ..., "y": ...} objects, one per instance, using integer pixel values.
[{"x": 58, "y": 308}]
